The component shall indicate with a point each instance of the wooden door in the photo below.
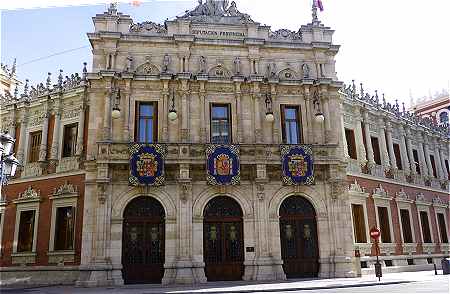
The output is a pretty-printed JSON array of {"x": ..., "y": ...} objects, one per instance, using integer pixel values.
[
  {"x": 223, "y": 243},
  {"x": 143, "y": 242},
  {"x": 298, "y": 233}
]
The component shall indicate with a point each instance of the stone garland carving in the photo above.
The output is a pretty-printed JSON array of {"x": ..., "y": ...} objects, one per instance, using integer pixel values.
[
  {"x": 219, "y": 71},
  {"x": 29, "y": 193},
  {"x": 287, "y": 74},
  {"x": 147, "y": 69},
  {"x": 148, "y": 27},
  {"x": 285, "y": 35}
]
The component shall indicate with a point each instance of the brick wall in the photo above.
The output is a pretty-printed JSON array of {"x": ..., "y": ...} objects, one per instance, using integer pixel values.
[{"x": 46, "y": 188}]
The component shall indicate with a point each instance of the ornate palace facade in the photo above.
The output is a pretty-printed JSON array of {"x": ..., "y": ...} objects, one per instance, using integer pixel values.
[{"x": 255, "y": 160}]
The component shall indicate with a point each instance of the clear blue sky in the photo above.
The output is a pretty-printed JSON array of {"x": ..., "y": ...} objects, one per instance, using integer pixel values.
[{"x": 396, "y": 47}]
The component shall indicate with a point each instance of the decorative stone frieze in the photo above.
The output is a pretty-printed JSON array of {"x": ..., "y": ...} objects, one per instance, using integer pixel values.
[
  {"x": 33, "y": 169},
  {"x": 285, "y": 35},
  {"x": 68, "y": 164},
  {"x": 148, "y": 28}
]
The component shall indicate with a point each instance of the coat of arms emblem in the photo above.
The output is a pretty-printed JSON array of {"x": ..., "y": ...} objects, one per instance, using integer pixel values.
[
  {"x": 223, "y": 165},
  {"x": 147, "y": 165},
  {"x": 297, "y": 165}
]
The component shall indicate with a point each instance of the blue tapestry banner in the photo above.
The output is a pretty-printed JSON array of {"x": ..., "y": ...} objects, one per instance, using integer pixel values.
[
  {"x": 147, "y": 164},
  {"x": 297, "y": 164},
  {"x": 222, "y": 165}
]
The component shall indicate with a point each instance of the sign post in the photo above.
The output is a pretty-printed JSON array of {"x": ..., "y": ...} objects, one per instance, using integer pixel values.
[{"x": 375, "y": 235}]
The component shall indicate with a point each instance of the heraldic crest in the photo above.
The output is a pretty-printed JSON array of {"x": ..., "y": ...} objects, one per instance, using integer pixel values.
[
  {"x": 147, "y": 164},
  {"x": 297, "y": 164},
  {"x": 222, "y": 165}
]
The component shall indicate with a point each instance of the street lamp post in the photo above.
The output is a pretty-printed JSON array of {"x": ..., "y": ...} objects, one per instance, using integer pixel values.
[{"x": 8, "y": 163}]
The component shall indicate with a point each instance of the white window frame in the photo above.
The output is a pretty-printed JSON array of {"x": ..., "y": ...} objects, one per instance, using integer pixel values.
[
  {"x": 21, "y": 206},
  {"x": 69, "y": 200},
  {"x": 359, "y": 198},
  {"x": 425, "y": 208},
  {"x": 384, "y": 202},
  {"x": 406, "y": 204},
  {"x": 442, "y": 210}
]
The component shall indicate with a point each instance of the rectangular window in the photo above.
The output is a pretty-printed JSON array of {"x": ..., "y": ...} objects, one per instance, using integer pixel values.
[
  {"x": 290, "y": 116},
  {"x": 383, "y": 218},
  {"x": 426, "y": 234},
  {"x": 351, "y": 145},
  {"x": 398, "y": 156},
  {"x": 433, "y": 165},
  {"x": 406, "y": 226},
  {"x": 70, "y": 140},
  {"x": 146, "y": 122},
  {"x": 416, "y": 161},
  {"x": 220, "y": 123},
  {"x": 442, "y": 228},
  {"x": 26, "y": 231},
  {"x": 359, "y": 228},
  {"x": 376, "y": 150},
  {"x": 35, "y": 143},
  {"x": 64, "y": 228}
]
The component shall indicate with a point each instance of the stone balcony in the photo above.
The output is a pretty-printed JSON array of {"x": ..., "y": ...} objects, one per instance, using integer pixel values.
[
  {"x": 354, "y": 167},
  {"x": 194, "y": 153}
]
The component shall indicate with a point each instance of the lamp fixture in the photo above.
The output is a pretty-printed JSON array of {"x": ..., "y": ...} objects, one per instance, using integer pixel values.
[
  {"x": 116, "y": 110},
  {"x": 172, "y": 112}
]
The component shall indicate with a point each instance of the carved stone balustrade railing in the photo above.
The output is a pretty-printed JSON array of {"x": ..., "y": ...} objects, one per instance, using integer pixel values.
[
  {"x": 194, "y": 153},
  {"x": 378, "y": 171},
  {"x": 33, "y": 169},
  {"x": 353, "y": 166}
]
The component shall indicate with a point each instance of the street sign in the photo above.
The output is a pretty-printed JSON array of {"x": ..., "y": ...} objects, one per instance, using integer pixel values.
[{"x": 375, "y": 233}]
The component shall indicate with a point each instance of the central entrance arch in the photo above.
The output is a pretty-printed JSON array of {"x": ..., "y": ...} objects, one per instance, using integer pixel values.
[
  {"x": 143, "y": 240},
  {"x": 298, "y": 233},
  {"x": 223, "y": 243}
]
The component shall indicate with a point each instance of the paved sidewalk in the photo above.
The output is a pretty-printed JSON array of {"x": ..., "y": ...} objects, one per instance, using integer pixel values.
[{"x": 247, "y": 286}]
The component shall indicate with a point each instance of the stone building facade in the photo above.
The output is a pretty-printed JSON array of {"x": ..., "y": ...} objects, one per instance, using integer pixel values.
[{"x": 212, "y": 76}]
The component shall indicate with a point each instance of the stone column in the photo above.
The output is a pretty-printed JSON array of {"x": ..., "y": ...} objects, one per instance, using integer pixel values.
[
  {"x": 54, "y": 154},
  {"x": 309, "y": 116},
  {"x": 126, "y": 111},
  {"x": 444, "y": 169},
  {"x": 43, "y": 146},
  {"x": 383, "y": 147},
  {"x": 202, "y": 95},
  {"x": 404, "y": 152},
  {"x": 426, "y": 154},
  {"x": 410, "y": 152},
  {"x": 422, "y": 161},
  {"x": 360, "y": 150},
  {"x": 184, "y": 112},
  {"x": 276, "y": 115},
  {"x": 22, "y": 137},
  {"x": 239, "y": 114},
  {"x": 80, "y": 132},
  {"x": 437, "y": 160},
  {"x": 344, "y": 138},
  {"x": 370, "y": 156},
  {"x": 390, "y": 145},
  {"x": 107, "y": 122},
  {"x": 256, "y": 100}
]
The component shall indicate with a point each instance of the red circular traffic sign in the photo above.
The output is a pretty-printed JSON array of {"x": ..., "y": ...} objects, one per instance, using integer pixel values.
[{"x": 375, "y": 233}]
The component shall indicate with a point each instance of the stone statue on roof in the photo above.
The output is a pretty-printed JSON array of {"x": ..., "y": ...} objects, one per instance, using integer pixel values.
[{"x": 216, "y": 10}]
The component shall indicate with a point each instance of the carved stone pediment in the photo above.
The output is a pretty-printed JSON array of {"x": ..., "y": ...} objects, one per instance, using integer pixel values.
[
  {"x": 285, "y": 35},
  {"x": 380, "y": 192},
  {"x": 355, "y": 187},
  {"x": 402, "y": 196},
  {"x": 147, "y": 69},
  {"x": 288, "y": 74},
  {"x": 148, "y": 28},
  {"x": 29, "y": 194},
  {"x": 219, "y": 71},
  {"x": 66, "y": 190},
  {"x": 437, "y": 201},
  {"x": 217, "y": 11},
  {"x": 420, "y": 199}
]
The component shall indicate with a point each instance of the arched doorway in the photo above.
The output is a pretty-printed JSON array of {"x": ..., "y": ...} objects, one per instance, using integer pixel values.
[
  {"x": 143, "y": 241},
  {"x": 298, "y": 233},
  {"x": 223, "y": 243}
]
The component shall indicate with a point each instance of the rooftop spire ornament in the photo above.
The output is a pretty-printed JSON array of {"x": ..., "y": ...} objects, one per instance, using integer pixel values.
[{"x": 316, "y": 4}]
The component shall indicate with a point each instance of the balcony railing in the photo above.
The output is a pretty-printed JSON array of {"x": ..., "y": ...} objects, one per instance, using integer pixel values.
[{"x": 194, "y": 153}]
